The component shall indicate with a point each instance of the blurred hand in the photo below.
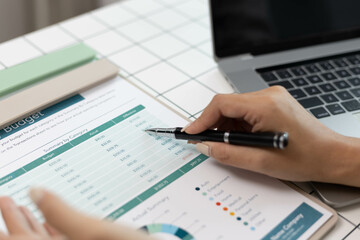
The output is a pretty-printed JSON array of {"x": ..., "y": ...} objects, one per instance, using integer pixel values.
[
  {"x": 62, "y": 222},
  {"x": 314, "y": 152}
]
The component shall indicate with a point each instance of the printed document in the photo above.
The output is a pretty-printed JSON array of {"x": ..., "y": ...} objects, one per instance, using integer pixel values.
[{"x": 92, "y": 151}]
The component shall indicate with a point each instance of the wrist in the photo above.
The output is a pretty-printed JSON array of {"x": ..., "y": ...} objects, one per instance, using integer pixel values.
[{"x": 344, "y": 162}]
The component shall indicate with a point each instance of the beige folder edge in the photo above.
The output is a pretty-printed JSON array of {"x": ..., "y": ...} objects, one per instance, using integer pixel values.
[{"x": 47, "y": 93}]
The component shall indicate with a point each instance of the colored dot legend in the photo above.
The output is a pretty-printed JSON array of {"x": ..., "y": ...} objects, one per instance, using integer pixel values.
[
  {"x": 225, "y": 208},
  {"x": 238, "y": 218},
  {"x": 197, "y": 189},
  {"x": 204, "y": 194},
  {"x": 232, "y": 213},
  {"x": 246, "y": 223},
  {"x": 252, "y": 229},
  {"x": 211, "y": 198},
  {"x": 218, "y": 203}
]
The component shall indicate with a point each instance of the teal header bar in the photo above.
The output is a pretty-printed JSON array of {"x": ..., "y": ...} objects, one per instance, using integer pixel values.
[
  {"x": 135, "y": 201},
  {"x": 92, "y": 133},
  {"x": 157, "y": 187},
  {"x": 12, "y": 176},
  {"x": 128, "y": 114},
  {"x": 70, "y": 145}
]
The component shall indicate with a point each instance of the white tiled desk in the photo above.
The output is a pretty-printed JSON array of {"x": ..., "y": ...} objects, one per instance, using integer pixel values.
[{"x": 164, "y": 47}]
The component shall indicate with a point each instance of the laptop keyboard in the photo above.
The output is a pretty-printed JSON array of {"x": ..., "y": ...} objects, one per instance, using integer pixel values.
[{"x": 325, "y": 87}]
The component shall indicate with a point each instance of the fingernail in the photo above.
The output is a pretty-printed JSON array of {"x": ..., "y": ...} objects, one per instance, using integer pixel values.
[
  {"x": 36, "y": 194},
  {"x": 184, "y": 128},
  {"x": 203, "y": 148}
]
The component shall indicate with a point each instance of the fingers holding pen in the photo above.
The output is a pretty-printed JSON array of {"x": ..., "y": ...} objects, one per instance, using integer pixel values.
[
  {"x": 247, "y": 110},
  {"x": 220, "y": 107},
  {"x": 249, "y": 158}
]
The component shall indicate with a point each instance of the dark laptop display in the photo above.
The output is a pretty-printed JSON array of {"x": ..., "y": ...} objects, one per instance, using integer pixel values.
[
  {"x": 261, "y": 26},
  {"x": 325, "y": 86}
]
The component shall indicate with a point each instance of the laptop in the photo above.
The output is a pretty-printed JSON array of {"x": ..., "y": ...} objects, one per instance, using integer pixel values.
[{"x": 310, "y": 47}]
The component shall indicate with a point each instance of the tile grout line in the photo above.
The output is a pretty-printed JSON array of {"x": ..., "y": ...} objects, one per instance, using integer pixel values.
[
  {"x": 136, "y": 78},
  {"x": 189, "y": 80},
  {"x": 145, "y": 49},
  {"x": 34, "y": 45},
  {"x": 346, "y": 219},
  {"x": 2, "y": 64},
  {"x": 176, "y": 105},
  {"x": 192, "y": 47},
  {"x": 133, "y": 75},
  {"x": 68, "y": 32},
  {"x": 139, "y": 44},
  {"x": 347, "y": 235},
  {"x": 153, "y": 12}
]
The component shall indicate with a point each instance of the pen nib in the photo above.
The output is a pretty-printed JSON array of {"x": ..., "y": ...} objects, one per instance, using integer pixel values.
[
  {"x": 161, "y": 132},
  {"x": 150, "y": 131}
]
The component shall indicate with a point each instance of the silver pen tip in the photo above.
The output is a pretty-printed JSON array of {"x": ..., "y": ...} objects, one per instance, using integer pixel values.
[{"x": 150, "y": 131}]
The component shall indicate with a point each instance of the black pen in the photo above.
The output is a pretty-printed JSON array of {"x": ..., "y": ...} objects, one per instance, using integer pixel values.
[{"x": 273, "y": 140}]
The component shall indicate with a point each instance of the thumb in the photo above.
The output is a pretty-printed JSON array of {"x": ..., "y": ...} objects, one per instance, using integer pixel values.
[
  {"x": 58, "y": 214},
  {"x": 75, "y": 225},
  {"x": 249, "y": 158}
]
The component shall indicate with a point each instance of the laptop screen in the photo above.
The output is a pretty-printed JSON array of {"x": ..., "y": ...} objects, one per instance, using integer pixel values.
[{"x": 263, "y": 26}]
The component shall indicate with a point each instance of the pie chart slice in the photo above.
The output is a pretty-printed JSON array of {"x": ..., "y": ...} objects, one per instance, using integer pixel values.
[{"x": 169, "y": 229}]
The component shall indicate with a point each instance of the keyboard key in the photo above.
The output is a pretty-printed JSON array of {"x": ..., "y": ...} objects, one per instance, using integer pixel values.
[
  {"x": 327, "y": 87},
  {"x": 297, "y": 93},
  {"x": 298, "y": 71},
  {"x": 300, "y": 82},
  {"x": 269, "y": 77},
  {"x": 312, "y": 90},
  {"x": 328, "y": 76},
  {"x": 341, "y": 84},
  {"x": 343, "y": 73},
  {"x": 329, "y": 98},
  {"x": 310, "y": 102},
  {"x": 340, "y": 63},
  {"x": 314, "y": 79},
  {"x": 312, "y": 68},
  {"x": 335, "y": 109},
  {"x": 353, "y": 60},
  {"x": 351, "y": 105},
  {"x": 319, "y": 112},
  {"x": 326, "y": 66},
  {"x": 354, "y": 81},
  {"x": 356, "y": 92},
  {"x": 285, "y": 84},
  {"x": 344, "y": 95},
  {"x": 355, "y": 70},
  {"x": 283, "y": 74}
]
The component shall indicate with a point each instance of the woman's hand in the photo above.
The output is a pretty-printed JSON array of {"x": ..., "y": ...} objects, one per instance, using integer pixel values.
[
  {"x": 314, "y": 152},
  {"x": 62, "y": 222},
  {"x": 21, "y": 223}
]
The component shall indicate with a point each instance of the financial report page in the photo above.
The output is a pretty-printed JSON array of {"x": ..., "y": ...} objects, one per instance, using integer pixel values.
[{"x": 92, "y": 151}]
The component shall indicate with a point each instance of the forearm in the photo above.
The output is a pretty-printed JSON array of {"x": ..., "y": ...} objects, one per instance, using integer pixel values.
[{"x": 345, "y": 160}]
